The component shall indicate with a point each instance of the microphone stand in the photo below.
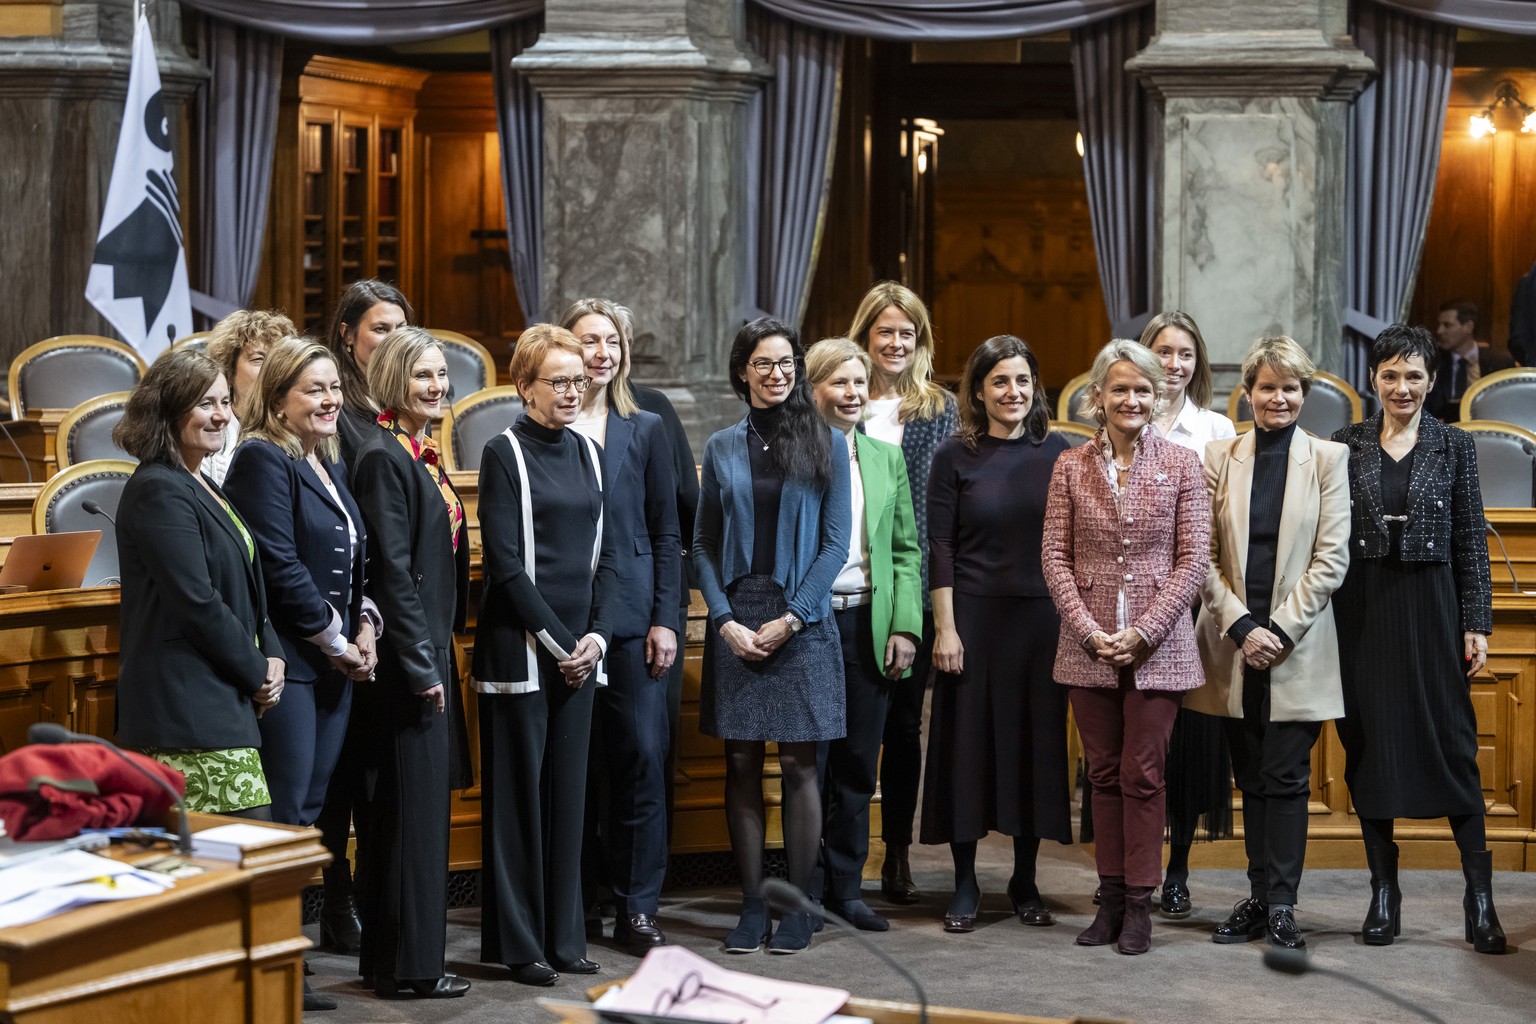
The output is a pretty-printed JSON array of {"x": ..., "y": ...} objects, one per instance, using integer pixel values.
[
  {"x": 787, "y": 898},
  {"x": 52, "y": 732}
]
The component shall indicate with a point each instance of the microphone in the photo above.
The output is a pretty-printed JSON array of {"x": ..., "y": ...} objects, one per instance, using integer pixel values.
[
  {"x": 96, "y": 510},
  {"x": 1513, "y": 579},
  {"x": 53, "y": 732},
  {"x": 1295, "y": 962},
  {"x": 786, "y": 898}
]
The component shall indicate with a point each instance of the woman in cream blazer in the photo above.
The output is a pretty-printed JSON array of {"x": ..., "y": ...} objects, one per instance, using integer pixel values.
[{"x": 1279, "y": 548}]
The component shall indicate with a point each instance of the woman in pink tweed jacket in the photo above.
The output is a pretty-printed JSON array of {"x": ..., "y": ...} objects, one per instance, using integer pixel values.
[{"x": 1126, "y": 548}]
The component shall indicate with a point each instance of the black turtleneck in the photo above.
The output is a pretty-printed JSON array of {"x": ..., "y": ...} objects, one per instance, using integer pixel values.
[
  {"x": 1271, "y": 458},
  {"x": 764, "y": 427}
]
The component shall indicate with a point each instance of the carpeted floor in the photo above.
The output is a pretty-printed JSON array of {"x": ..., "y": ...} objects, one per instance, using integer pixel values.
[{"x": 1004, "y": 966}]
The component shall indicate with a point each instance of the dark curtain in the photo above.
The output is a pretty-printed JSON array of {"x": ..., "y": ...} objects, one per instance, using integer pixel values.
[
  {"x": 905, "y": 20},
  {"x": 236, "y": 114},
  {"x": 1393, "y": 153},
  {"x": 520, "y": 119},
  {"x": 1517, "y": 16},
  {"x": 793, "y": 122},
  {"x": 1121, "y": 143},
  {"x": 368, "y": 22}
]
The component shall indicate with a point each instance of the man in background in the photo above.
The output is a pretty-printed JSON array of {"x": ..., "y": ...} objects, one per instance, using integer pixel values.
[{"x": 1462, "y": 359}]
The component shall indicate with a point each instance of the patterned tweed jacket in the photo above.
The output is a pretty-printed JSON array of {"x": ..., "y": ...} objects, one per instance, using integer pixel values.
[
  {"x": 1445, "y": 509},
  {"x": 919, "y": 440},
  {"x": 1157, "y": 548}
]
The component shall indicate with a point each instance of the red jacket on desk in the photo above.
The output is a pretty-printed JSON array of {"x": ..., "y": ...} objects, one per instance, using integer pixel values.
[
  {"x": 1157, "y": 548},
  {"x": 50, "y": 791}
]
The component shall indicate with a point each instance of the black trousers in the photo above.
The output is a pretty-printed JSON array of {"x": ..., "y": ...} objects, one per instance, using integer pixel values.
[
  {"x": 1272, "y": 763},
  {"x": 901, "y": 770},
  {"x": 629, "y": 744},
  {"x": 301, "y": 742},
  {"x": 533, "y": 766},
  {"x": 849, "y": 765},
  {"x": 402, "y": 830}
]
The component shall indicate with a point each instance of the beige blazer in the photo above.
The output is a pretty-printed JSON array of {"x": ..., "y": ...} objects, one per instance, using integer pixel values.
[{"x": 1310, "y": 564}]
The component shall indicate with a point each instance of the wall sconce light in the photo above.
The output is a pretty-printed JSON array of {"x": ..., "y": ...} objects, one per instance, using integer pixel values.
[
  {"x": 925, "y": 137},
  {"x": 1080, "y": 148},
  {"x": 1506, "y": 97}
]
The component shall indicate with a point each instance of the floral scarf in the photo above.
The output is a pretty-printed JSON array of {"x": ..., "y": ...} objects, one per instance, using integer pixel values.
[{"x": 425, "y": 454}]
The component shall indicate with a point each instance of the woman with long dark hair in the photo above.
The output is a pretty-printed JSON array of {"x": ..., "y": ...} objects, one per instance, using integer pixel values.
[
  {"x": 365, "y": 315},
  {"x": 909, "y": 409},
  {"x": 997, "y": 744},
  {"x": 772, "y": 535}
]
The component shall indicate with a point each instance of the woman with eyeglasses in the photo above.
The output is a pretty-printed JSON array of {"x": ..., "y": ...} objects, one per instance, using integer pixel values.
[
  {"x": 548, "y": 555},
  {"x": 771, "y": 538}
]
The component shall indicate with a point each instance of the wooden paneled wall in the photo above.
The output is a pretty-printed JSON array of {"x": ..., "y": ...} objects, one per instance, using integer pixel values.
[{"x": 1480, "y": 239}]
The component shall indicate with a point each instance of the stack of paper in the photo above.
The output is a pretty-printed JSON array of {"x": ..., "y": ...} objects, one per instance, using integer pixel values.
[
  {"x": 51, "y": 885},
  {"x": 673, "y": 984}
]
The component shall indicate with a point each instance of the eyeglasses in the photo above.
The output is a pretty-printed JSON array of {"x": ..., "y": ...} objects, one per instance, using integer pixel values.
[
  {"x": 765, "y": 367},
  {"x": 560, "y": 384},
  {"x": 693, "y": 986}
]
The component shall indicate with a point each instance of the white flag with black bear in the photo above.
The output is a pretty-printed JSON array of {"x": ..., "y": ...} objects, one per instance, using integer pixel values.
[{"x": 138, "y": 277}]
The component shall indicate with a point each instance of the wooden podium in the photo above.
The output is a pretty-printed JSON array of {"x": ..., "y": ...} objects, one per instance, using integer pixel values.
[{"x": 224, "y": 946}]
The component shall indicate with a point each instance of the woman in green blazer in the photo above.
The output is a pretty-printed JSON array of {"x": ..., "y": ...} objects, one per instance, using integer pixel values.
[{"x": 878, "y": 605}]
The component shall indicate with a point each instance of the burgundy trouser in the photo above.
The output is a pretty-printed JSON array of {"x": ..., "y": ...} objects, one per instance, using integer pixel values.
[{"x": 1125, "y": 742}]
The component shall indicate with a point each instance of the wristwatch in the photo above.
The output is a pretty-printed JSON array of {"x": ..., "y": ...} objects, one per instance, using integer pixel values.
[{"x": 793, "y": 622}]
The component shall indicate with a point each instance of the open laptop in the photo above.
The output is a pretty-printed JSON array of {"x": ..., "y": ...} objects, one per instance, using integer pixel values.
[{"x": 48, "y": 561}]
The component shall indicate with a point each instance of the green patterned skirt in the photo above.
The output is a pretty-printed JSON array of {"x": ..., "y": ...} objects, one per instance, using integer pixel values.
[{"x": 218, "y": 781}]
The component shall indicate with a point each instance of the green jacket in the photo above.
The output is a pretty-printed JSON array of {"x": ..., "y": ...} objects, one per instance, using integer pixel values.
[{"x": 895, "y": 557}]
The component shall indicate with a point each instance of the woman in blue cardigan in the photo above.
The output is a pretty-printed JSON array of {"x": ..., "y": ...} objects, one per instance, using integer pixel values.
[{"x": 772, "y": 534}]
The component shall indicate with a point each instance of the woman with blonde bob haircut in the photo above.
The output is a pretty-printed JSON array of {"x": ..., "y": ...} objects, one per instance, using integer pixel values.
[
  {"x": 1126, "y": 546},
  {"x": 1266, "y": 629},
  {"x": 908, "y": 409},
  {"x": 548, "y": 538}
]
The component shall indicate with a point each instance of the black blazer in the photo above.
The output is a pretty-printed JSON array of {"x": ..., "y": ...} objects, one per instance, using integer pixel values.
[
  {"x": 195, "y": 635},
  {"x": 302, "y": 537},
  {"x": 416, "y": 577},
  {"x": 1445, "y": 509},
  {"x": 642, "y": 509},
  {"x": 685, "y": 476}
]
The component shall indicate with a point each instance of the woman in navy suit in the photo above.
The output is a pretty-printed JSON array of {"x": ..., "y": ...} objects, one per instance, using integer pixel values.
[
  {"x": 287, "y": 479},
  {"x": 630, "y": 718},
  {"x": 200, "y": 661}
]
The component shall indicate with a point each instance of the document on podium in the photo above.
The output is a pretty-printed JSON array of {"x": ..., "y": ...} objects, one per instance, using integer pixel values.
[{"x": 675, "y": 984}]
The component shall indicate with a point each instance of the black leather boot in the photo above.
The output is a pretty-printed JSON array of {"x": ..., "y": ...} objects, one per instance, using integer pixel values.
[
  {"x": 340, "y": 929},
  {"x": 1110, "y": 919},
  {"x": 896, "y": 883},
  {"x": 1383, "y": 917},
  {"x": 1483, "y": 929}
]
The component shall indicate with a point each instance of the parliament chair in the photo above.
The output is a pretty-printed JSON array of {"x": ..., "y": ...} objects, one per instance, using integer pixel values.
[
  {"x": 85, "y": 432},
  {"x": 59, "y": 508},
  {"x": 471, "y": 366},
  {"x": 197, "y": 342},
  {"x": 1075, "y": 433},
  {"x": 1505, "y": 396},
  {"x": 62, "y": 372},
  {"x": 1331, "y": 404},
  {"x": 1071, "y": 397},
  {"x": 471, "y": 422},
  {"x": 1506, "y": 463}
]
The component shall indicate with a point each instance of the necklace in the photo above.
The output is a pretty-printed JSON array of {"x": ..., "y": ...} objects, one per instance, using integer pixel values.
[{"x": 753, "y": 427}]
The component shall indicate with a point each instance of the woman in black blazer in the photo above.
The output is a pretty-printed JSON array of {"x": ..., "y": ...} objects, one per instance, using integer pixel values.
[
  {"x": 200, "y": 662},
  {"x": 630, "y": 724},
  {"x": 365, "y": 315},
  {"x": 287, "y": 480},
  {"x": 410, "y": 721},
  {"x": 543, "y": 627},
  {"x": 1414, "y": 614}
]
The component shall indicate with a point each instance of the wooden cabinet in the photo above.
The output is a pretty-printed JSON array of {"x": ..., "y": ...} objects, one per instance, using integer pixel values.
[{"x": 344, "y": 189}]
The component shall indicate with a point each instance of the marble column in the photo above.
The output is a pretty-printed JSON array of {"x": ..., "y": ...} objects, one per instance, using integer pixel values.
[
  {"x": 63, "y": 80},
  {"x": 1252, "y": 223},
  {"x": 644, "y": 200}
]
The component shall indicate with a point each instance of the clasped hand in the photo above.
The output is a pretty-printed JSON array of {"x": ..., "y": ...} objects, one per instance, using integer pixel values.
[
  {"x": 1261, "y": 648},
  {"x": 750, "y": 645},
  {"x": 578, "y": 667},
  {"x": 272, "y": 686},
  {"x": 1121, "y": 649}
]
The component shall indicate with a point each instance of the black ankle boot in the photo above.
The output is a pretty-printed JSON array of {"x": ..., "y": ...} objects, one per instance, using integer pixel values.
[
  {"x": 1483, "y": 929},
  {"x": 1383, "y": 917}
]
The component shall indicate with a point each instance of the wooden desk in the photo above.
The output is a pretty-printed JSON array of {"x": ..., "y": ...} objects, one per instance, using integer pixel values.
[{"x": 225, "y": 946}]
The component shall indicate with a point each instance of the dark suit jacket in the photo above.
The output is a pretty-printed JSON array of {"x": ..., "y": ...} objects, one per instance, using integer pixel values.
[
  {"x": 685, "y": 475},
  {"x": 302, "y": 537},
  {"x": 1440, "y": 402},
  {"x": 642, "y": 505},
  {"x": 1445, "y": 509},
  {"x": 195, "y": 635}
]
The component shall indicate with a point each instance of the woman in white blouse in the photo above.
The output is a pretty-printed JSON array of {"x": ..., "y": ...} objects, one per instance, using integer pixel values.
[{"x": 1199, "y": 768}]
